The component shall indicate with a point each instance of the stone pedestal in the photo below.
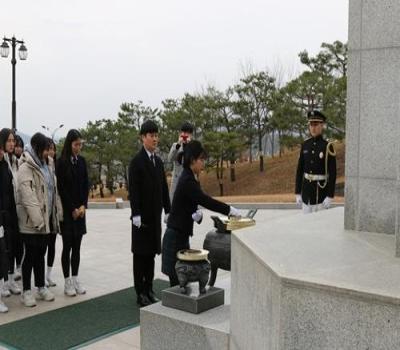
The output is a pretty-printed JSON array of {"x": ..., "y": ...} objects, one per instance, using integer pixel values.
[
  {"x": 192, "y": 302},
  {"x": 165, "y": 328},
  {"x": 373, "y": 118}
]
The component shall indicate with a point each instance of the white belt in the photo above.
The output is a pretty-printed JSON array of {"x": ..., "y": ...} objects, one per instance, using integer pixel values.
[{"x": 311, "y": 177}]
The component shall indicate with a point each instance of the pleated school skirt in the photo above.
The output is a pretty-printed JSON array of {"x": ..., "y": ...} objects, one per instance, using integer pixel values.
[{"x": 173, "y": 242}]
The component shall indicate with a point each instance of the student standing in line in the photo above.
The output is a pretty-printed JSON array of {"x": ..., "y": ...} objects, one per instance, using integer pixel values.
[
  {"x": 3, "y": 249},
  {"x": 37, "y": 215},
  {"x": 73, "y": 186},
  {"x": 19, "y": 251},
  {"x": 9, "y": 168},
  {"x": 51, "y": 243}
]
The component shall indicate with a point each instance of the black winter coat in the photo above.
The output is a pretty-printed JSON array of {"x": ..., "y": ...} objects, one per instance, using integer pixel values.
[
  {"x": 73, "y": 188},
  {"x": 188, "y": 196},
  {"x": 148, "y": 194},
  {"x": 8, "y": 209}
]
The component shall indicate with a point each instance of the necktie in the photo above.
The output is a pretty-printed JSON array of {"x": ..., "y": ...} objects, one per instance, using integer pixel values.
[{"x": 153, "y": 160}]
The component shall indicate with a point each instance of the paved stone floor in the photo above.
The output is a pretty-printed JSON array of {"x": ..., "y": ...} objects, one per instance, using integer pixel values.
[{"x": 106, "y": 266}]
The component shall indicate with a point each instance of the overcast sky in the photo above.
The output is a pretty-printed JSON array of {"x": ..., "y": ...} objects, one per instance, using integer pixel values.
[{"x": 86, "y": 57}]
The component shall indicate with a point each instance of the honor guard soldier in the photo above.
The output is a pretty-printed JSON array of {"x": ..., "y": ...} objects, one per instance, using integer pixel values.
[{"x": 316, "y": 170}]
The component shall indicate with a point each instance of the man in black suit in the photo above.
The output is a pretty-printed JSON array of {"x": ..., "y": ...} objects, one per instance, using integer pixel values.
[{"x": 148, "y": 193}]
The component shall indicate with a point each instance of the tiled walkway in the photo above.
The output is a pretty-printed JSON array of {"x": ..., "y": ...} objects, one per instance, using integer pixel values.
[{"x": 106, "y": 266}]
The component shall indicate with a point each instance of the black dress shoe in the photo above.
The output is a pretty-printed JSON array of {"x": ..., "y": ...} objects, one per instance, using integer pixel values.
[
  {"x": 143, "y": 300},
  {"x": 152, "y": 297}
]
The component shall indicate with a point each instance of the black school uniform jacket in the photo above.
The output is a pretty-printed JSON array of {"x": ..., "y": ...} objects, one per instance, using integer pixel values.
[
  {"x": 188, "y": 196},
  {"x": 73, "y": 188}
]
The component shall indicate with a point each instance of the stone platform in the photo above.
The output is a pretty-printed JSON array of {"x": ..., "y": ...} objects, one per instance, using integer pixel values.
[
  {"x": 193, "y": 301},
  {"x": 303, "y": 282},
  {"x": 165, "y": 328}
]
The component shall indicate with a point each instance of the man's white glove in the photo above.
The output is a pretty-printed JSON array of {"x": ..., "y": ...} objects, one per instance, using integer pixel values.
[
  {"x": 1, "y": 231},
  {"x": 166, "y": 218},
  {"x": 299, "y": 200},
  {"x": 327, "y": 202},
  {"x": 137, "y": 221},
  {"x": 197, "y": 216},
  {"x": 235, "y": 212}
]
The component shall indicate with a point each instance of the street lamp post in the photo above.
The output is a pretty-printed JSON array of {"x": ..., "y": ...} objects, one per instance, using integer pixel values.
[
  {"x": 54, "y": 131},
  {"x": 23, "y": 55}
]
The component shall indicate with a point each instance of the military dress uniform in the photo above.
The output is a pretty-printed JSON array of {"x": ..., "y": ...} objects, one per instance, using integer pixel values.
[{"x": 316, "y": 170}]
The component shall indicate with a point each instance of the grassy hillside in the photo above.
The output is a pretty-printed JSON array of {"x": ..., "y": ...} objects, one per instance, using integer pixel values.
[{"x": 278, "y": 177}]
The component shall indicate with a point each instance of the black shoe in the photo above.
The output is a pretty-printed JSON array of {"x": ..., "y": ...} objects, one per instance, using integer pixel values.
[
  {"x": 152, "y": 297},
  {"x": 143, "y": 300}
]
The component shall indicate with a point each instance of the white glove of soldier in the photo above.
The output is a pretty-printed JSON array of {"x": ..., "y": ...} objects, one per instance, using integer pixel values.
[
  {"x": 299, "y": 200},
  {"x": 137, "y": 221},
  {"x": 197, "y": 216},
  {"x": 235, "y": 212},
  {"x": 166, "y": 218},
  {"x": 1, "y": 231},
  {"x": 327, "y": 202}
]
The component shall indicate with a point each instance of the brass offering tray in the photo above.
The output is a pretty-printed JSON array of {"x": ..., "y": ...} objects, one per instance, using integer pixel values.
[
  {"x": 192, "y": 254},
  {"x": 227, "y": 224},
  {"x": 239, "y": 223}
]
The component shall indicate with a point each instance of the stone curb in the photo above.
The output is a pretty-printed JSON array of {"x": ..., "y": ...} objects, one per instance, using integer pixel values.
[{"x": 277, "y": 206}]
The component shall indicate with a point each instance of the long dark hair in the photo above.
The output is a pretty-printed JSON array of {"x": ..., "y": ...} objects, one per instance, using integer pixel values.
[
  {"x": 4, "y": 135},
  {"x": 72, "y": 136},
  {"x": 40, "y": 143},
  {"x": 52, "y": 143},
  {"x": 193, "y": 151},
  {"x": 19, "y": 142}
]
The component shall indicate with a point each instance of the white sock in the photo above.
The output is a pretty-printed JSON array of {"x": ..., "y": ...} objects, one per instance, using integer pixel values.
[
  {"x": 1, "y": 283},
  {"x": 67, "y": 280},
  {"x": 10, "y": 277},
  {"x": 49, "y": 269}
]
